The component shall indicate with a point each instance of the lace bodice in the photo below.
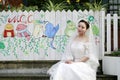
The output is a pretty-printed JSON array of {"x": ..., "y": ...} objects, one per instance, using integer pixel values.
[{"x": 79, "y": 49}]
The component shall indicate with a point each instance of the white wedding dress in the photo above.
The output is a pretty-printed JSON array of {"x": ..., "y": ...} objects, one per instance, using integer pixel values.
[{"x": 77, "y": 70}]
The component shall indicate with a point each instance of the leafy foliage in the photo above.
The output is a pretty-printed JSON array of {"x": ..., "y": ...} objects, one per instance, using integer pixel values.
[
  {"x": 22, "y": 8},
  {"x": 96, "y": 5},
  {"x": 114, "y": 53},
  {"x": 52, "y": 6}
]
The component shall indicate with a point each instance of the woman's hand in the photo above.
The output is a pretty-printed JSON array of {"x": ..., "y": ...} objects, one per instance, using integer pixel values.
[{"x": 68, "y": 61}]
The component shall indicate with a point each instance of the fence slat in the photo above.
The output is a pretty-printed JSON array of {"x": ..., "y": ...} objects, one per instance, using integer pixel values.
[
  {"x": 63, "y": 22},
  {"x": 115, "y": 28},
  {"x": 58, "y": 22},
  {"x": 108, "y": 33},
  {"x": 102, "y": 34},
  {"x": 75, "y": 17}
]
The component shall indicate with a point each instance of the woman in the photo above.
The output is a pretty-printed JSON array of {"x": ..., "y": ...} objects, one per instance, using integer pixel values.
[{"x": 80, "y": 61}]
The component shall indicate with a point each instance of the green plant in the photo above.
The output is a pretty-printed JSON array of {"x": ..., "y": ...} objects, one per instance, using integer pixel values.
[
  {"x": 96, "y": 5},
  {"x": 51, "y": 6},
  {"x": 23, "y": 8},
  {"x": 114, "y": 53}
]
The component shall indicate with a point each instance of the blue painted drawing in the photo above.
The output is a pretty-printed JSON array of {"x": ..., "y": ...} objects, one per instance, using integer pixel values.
[{"x": 50, "y": 32}]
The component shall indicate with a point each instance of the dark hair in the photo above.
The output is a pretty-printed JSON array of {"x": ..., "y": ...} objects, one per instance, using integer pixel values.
[{"x": 86, "y": 23}]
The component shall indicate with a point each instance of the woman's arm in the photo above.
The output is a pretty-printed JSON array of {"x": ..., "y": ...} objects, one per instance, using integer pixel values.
[{"x": 84, "y": 59}]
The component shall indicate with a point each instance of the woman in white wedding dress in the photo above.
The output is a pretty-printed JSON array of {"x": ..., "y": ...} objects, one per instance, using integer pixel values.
[{"x": 80, "y": 61}]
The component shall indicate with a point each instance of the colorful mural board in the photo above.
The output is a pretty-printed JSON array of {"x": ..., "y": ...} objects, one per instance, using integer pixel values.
[{"x": 38, "y": 35}]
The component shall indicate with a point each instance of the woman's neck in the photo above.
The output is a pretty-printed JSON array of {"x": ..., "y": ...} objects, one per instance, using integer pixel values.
[
  {"x": 81, "y": 35},
  {"x": 82, "y": 38}
]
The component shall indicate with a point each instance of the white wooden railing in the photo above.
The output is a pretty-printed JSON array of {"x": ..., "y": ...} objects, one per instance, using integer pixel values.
[{"x": 111, "y": 22}]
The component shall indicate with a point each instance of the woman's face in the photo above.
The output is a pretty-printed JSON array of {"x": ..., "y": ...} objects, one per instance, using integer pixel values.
[{"x": 81, "y": 28}]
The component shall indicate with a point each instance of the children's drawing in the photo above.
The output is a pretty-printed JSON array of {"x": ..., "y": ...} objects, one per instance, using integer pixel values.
[
  {"x": 50, "y": 32},
  {"x": 9, "y": 31},
  {"x": 40, "y": 38},
  {"x": 95, "y": 30},
  {"x": 70, "y": 28},
  {"x": 38, "y": 28},
  {"x": 22, "y": 31}
]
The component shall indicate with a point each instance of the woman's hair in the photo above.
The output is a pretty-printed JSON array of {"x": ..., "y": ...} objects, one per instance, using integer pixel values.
[{"x": 86, "y": 23}]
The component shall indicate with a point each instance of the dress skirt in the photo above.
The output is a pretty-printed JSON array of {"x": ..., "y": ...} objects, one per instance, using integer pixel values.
[{"x": 73, "y": 71}]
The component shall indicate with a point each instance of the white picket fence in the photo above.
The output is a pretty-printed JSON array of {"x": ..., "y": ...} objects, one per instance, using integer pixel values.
[
  {"x": 37, "y": 47},
  {"x": 111, "y": 21}
]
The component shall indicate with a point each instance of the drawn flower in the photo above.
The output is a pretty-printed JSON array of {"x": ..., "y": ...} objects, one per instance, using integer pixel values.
[
  {"x": 90, "y": 18},
  {"x": 2, "y": 46},
  {"x": 95, "y": 30}
]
